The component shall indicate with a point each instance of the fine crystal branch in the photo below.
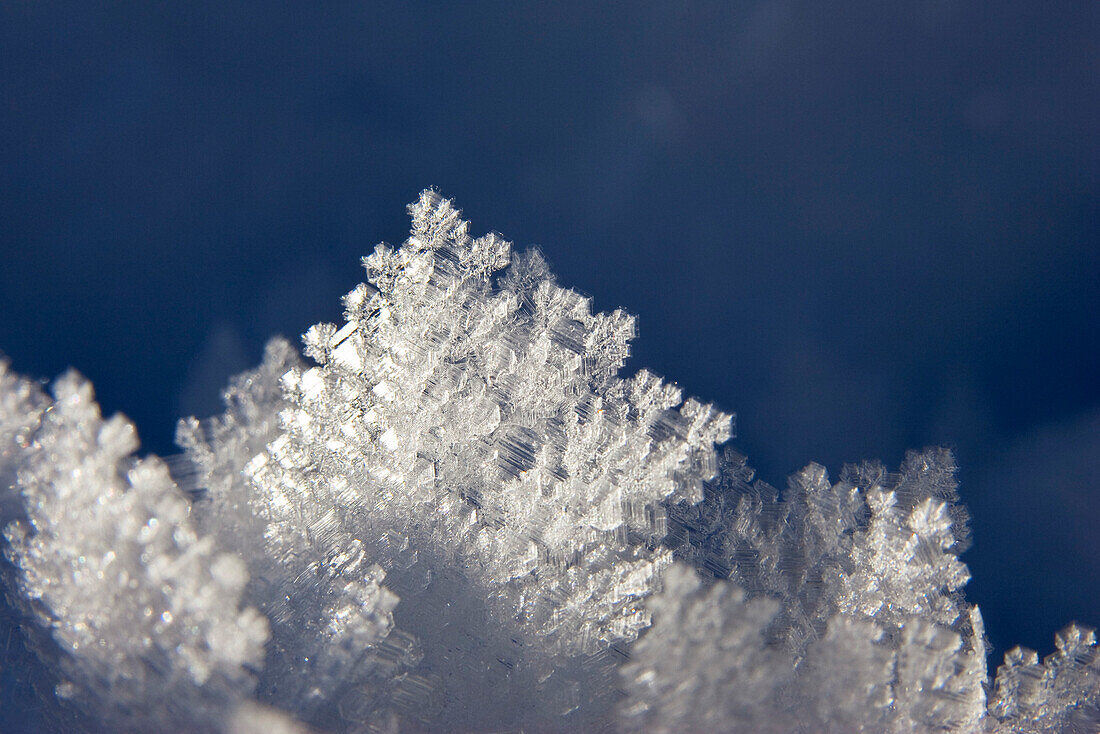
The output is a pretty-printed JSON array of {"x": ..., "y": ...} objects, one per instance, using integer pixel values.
[
  {"x": 456, "y": 515},
  {"x": 142, "y": 610}
]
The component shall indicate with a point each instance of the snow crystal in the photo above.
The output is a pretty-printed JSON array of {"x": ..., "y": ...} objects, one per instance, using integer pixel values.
[
  {"x": 468, "y": 423},
  {"x": 462, "y": 516},
  {"x": 142, "y": 611}
]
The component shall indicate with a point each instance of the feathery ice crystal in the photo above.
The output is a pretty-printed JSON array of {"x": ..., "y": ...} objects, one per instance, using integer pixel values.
[
  {"x": 461, "y": 517},
  {"x": 142, "y": 609}
]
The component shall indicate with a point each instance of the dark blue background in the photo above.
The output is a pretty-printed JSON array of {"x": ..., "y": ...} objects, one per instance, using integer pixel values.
[{"x": 862, "y": 228}]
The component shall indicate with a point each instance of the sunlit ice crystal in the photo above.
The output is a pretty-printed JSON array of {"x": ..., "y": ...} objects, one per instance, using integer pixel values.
[
  {"x": 1061, "y": 694},
  {"x": 468, "y": 427},
  {"x": 706, "y": 665},
  {"x": 334, "y": 653},
  {"x": 712, "y": 662},
  {"x": 144, "y": 627},
  {"x": 867, "y": 630},
  {"x": 457, "y": 515}
]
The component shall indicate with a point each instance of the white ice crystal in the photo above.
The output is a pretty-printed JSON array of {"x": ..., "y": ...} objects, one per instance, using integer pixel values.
[
  {"x": 865, "y": 574},
  {"x": 331, "y": 616},
  {"x": 460, "y": 517},
  {"x": 467, "y": 430},
  {"x": 706, "y": 665},
  {"x": 1060, "y": 695},
  {"x": 141, "y": 610}
]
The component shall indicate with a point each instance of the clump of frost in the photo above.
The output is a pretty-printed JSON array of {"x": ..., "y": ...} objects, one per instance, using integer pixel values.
[
  {"x": 1061, "y": 694},
  {"x": 853, "y": 619},
  {"x": 865, "y": 630},
  {"x": 460, "y": 516},
  {"x": 141, "y": 610},
  {"x": 467, "y": 431},
  {"x": 334, "y": 653},
  {"x": 706, "y": 665}
]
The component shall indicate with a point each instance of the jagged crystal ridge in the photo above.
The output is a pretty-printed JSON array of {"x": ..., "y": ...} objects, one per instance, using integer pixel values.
[
  {"x": 865, "y": 629},
  {"x": 141, "y": 610},
  {"x": 469, "y": 420},
  {"x": 458, "y": 514}
]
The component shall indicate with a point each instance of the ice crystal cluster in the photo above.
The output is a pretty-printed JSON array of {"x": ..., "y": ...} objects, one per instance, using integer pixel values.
[
  {"x": 142, "y": 610},
  {"x": 455, "y": 514}
]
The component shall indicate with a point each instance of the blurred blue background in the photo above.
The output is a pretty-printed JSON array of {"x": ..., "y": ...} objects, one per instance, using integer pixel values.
[{"x": 864, "y": 227}]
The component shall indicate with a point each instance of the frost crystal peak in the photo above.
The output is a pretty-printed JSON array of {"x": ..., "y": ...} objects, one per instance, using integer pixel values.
[{"x": 457, "y": 514}]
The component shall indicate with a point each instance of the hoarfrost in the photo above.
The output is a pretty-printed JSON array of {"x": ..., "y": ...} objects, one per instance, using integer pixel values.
[
  {"x": 467, "y": 430},
  {"x": 1062, "y": 694},
  {"x": 460, "y": 516},
  {"x": 141, "y": 610},
  {"x": 867, "y": 632}
]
